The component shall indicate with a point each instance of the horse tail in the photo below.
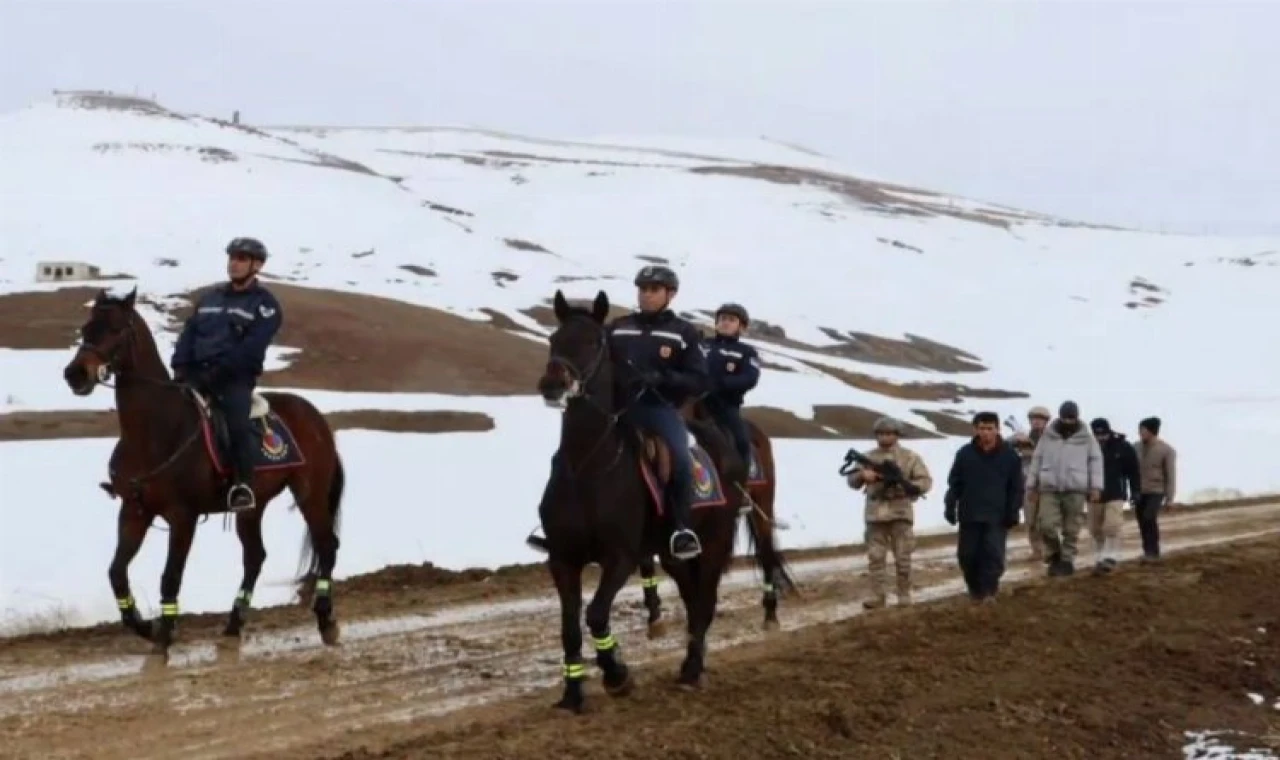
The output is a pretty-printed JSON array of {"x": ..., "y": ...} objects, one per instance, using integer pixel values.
[{"x": 308, "y": 559}]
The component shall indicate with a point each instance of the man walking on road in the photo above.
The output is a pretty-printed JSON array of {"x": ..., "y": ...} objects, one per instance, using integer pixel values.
[
  {"x": 1066, "y": 470},
  {"x": 984, "y": 495},
  {"x": 1158, "y": 476},
  {"x": 1025, "y": 444},
  {"x": 1119, "y": 484}
]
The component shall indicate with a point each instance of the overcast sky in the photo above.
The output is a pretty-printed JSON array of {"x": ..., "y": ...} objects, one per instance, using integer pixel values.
[{"x": 1161, "y": 114}]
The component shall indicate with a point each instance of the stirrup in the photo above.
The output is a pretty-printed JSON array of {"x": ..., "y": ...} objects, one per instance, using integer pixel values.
[
  {"x": 239, "y": 488},
  {"x": 690, "y": 553}
]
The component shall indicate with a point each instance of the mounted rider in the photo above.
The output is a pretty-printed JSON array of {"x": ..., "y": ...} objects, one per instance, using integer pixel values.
[
  {"x": 222, "y": 349},
  {"x": 734, "y": 367},
  {"x": 661, "y": 364}
]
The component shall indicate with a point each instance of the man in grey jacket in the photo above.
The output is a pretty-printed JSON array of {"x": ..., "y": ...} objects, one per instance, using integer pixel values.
[{"x": 1066, "y": 470}]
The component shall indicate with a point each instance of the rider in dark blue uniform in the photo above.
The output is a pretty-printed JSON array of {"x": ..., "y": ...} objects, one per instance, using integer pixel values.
[
  {"x": 661, "y": 364},
  {"x": 735, "y": 370},
  {"x": 221, "y": 351}
]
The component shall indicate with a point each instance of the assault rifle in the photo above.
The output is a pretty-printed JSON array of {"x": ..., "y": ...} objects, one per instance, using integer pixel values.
[{"x": 890, "y": 473}]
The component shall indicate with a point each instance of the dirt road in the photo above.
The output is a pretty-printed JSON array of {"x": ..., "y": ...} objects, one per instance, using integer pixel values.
[{"x": 414, "y": 665}]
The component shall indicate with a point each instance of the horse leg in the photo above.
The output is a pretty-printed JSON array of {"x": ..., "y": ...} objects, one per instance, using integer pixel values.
[
  {"x": 613, "y": 576},
  {"x": 568, "y": 580},
  {"x": 761, "y": 530},
  {"x": 182, "y": 530},
  {"x": 249, "y": 531},
  {"x": 131, "y": 529},
  {"x": 706, "y": 588},
  {"x": 321, "y": 510},
  {"x": 652, "y": 602}
]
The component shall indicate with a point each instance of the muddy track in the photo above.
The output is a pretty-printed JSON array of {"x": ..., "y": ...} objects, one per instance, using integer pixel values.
[{"x": 406, "y": 667}]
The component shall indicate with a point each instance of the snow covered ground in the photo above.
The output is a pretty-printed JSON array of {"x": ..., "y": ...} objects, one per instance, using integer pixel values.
[{"x": 1041, "y": 303}]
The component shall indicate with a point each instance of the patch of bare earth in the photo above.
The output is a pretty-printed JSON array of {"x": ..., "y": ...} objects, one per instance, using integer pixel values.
[
  {"x": 1152, "y": 652},
  {"x": 913, "y": 391},
  {"x": 45, "y": 320},
  {"x": 362, "y": 343},
  {"x": 33, "y": 426}
]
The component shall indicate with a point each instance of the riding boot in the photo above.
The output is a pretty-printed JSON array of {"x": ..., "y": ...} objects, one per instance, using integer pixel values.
[
  {"x": 684, "y": 542},
  {"x": 240, "y": 498}
]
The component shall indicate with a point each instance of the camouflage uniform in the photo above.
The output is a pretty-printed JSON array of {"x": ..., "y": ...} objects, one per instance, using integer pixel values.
[{"x": 890, "y": 515}]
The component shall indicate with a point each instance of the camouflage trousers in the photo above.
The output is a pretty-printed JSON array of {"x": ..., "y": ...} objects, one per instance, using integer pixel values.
[
  {"x": 1060, "y": 520},
  {"x": 1031, "y": 516},
  {"x": 897, "y": 536}
]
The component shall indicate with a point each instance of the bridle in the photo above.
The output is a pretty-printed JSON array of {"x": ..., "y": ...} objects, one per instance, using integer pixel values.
[
  {"x": 579, "y": 392},
  {"x": 109, "y": 366}
]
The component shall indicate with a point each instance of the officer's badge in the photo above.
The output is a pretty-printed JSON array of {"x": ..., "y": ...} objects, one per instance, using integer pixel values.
[
  {"x": 266, "y": 311},
  {"x": 665, "y": 352},
  {"x": 730, "y": 367}
]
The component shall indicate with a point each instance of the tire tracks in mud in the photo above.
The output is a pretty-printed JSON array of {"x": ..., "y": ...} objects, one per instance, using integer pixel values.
[{"x": 280, "y": 693}]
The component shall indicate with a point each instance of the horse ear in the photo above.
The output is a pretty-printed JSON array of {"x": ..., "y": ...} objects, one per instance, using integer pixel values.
[
  {"x": 561, "y": 307},
  {"x": 129, "y": 299},
  {"x": 600, "y": 307},
  {"x": 102, "y": 296}
]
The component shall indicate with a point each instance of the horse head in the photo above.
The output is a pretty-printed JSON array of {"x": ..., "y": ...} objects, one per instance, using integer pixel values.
[
  {"x": 106, "y": 342},
  {"x": 578, "y": 351}
]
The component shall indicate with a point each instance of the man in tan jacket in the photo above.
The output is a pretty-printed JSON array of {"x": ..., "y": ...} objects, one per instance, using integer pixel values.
[
  {"x": 1158, "y": 477},
  {"x": 889, "y": 512},
  {"x": 1024, "y": 442}
]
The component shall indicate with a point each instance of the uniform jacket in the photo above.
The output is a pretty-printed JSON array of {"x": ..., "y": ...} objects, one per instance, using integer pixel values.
[
  {"x": 886, "y": 506},
  {"x": 1066, "y": 465},
  {"x": 734, "y": 367},
  {"x": 230, "y": 329},
  {"x": 662, "y": 343}
]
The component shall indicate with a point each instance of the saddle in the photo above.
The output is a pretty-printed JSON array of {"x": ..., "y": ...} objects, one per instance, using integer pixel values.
[
  {"x": 655, "y": 453},
  {"x": 213, "y": 415}
]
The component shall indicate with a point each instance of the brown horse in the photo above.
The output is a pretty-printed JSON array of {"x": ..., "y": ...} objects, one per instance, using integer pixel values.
[
  {"x": 169, "y": 463},
  {"x": 602, "y": 505},
  {"x": 762, "y": 489}
]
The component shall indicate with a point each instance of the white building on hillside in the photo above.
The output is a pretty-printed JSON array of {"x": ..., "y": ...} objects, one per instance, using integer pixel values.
[{"x": 56, "y": 271}]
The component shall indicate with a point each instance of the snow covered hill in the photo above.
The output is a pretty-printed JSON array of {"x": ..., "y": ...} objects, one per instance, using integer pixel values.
[{"x": 415, "y": 265}]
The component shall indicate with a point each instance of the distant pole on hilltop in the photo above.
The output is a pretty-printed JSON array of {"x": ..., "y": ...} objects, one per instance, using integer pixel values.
[{"x": 235, "y": 117}]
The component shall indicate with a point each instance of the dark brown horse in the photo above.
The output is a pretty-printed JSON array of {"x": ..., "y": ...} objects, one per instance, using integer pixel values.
[
  {"x": 762, "y": 491},
  {"x": 168, "y": 464},
  {"x": 598, "y": 507}
]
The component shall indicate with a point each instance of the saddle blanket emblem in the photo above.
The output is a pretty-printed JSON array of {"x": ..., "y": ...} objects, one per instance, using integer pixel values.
[{"x": 274, "y": 447}]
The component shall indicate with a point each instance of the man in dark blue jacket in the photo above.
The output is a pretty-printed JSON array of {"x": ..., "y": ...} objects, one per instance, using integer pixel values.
[
  {"x": 222, "y": 349},
  {"x": 661, "y": 364},
  {"x": 734, "y": 367},
  {"x": 984, "y": 495}
]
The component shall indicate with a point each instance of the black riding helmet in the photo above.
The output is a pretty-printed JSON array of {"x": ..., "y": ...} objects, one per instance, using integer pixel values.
[
  {"x": 734, "y": 310},
  {"x": 655, "y": 275},
  {"x": 247, "y": 246}
]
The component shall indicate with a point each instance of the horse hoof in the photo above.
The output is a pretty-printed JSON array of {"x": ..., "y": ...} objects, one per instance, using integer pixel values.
[
  {"x": 694, "y": 683},
  {"x": 657, "y": 629},
  {"x": 330, "y": 634},
  {"x": 569, "y": 706},
  {"x": 623, "y": 689},
  {"x": 772, "y": 625}
]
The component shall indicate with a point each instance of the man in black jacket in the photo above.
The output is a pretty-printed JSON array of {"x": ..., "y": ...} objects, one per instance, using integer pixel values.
[
  {"x": 984, "y": 495},
  {"x": 1120, "y": 482}
]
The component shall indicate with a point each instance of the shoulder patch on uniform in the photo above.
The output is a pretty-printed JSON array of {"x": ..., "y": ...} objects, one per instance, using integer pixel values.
[{"x": 267, "y": 312}]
